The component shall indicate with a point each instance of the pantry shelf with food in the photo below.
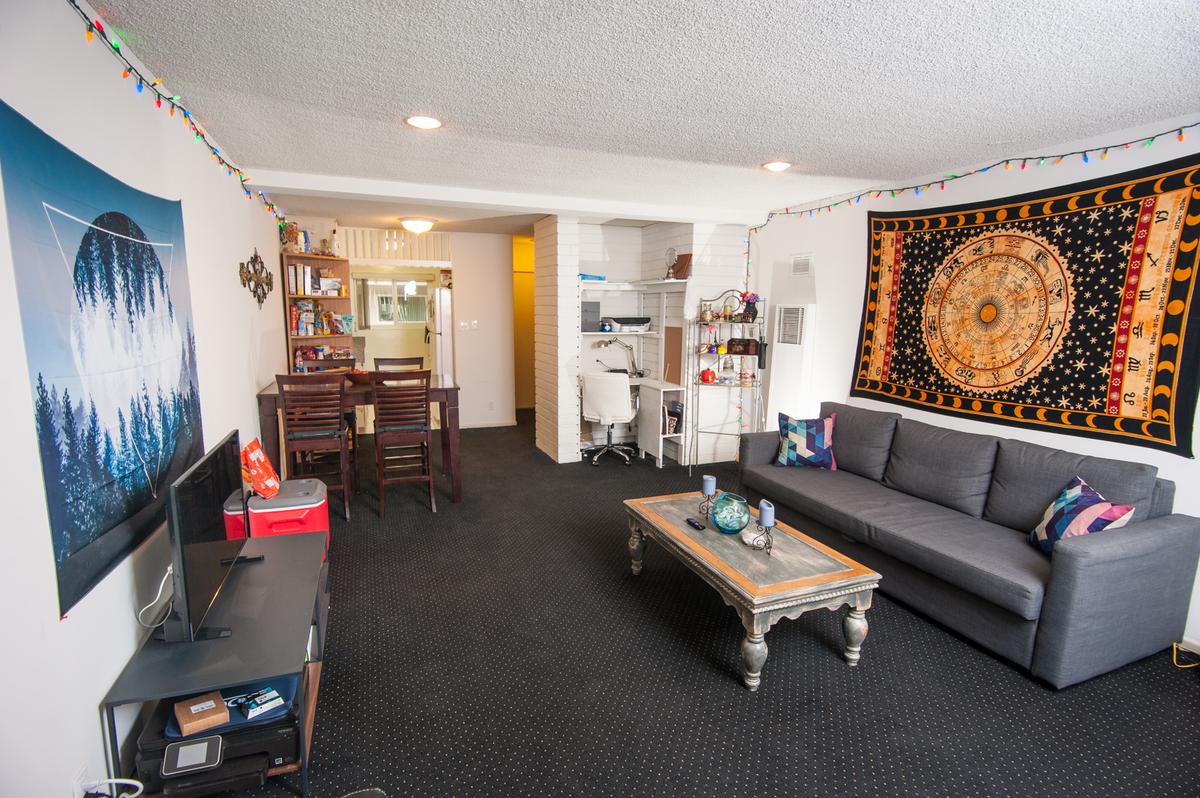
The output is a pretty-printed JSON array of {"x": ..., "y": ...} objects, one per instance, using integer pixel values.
[{"x": 317, "y": 308}]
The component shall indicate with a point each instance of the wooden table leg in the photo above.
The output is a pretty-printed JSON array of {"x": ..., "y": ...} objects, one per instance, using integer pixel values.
[
  {"x": 451, "y": 464},
  {"x": 754, "y": 656},
  {"x": 637, "y": 546},
  {"x": 854, "y": 626}
]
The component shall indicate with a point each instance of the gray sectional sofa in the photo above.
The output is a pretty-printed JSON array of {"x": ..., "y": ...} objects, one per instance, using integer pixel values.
[{"x": 944, "y": 517}]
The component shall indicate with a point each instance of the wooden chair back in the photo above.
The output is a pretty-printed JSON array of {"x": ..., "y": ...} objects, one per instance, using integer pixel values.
[
  {"x": 313, "y": 405},
  {"x": 401, "y": 401},
  {"x": 399, "y": 363},
  {"x": 311, "y": 365}
]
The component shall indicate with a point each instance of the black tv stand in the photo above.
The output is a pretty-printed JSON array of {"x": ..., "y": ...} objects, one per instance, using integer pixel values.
[
  {"x": 242, "y": 558},
  {"x": 270, "y": 639},
  {"x": 213, "y": 633}
]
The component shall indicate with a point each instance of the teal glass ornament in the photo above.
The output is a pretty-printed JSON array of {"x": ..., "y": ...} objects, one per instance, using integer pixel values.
[{"x": 730, "y": 513}]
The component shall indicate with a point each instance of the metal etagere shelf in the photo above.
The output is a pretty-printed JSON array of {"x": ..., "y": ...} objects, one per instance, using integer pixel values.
[{"x": 746, "y": 378}]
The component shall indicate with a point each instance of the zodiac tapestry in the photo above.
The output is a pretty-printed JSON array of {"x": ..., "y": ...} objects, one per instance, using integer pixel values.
[
  {"x": 102, "y": 287},
  {"x": 1069, "y": 310}
]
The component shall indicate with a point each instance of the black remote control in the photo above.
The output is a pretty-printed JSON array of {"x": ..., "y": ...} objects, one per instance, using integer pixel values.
[{"x": 694, "y": 524}]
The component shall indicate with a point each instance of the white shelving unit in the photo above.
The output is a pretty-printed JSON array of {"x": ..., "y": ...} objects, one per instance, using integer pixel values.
[
  {"x": 652, "y": 439},
  {"x": 750, "y": 397},
  {"x": 638, "y": 298}
]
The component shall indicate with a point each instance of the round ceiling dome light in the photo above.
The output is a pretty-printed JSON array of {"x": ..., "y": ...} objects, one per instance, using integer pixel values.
[
  {"x": 777, "y": 166},
  {"x": 423, "y": 122},
  {"x": 417, "y": 226}
]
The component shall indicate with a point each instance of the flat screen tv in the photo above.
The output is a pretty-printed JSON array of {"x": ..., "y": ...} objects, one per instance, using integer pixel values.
[{"x": 201, "y": 555}]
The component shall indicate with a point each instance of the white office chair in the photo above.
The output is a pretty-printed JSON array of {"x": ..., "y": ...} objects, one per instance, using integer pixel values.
[{"x": 606, "y": 399}]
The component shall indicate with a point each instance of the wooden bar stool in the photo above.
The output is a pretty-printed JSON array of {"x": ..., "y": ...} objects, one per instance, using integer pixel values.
[
  {"x": 343, "y": 364},
  {"x": 402, "y": 426},
  {"x": 399, "y": 363},
  {"x": 314, "y": 424},
  {"x": 402, "y": 364}
]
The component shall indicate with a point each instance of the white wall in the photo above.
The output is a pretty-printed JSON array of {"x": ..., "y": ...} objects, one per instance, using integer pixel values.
[
  {"x": 838, "y": 242},
  {"x": 57, "y": 671},
  {"x": 483, "y": 328}
]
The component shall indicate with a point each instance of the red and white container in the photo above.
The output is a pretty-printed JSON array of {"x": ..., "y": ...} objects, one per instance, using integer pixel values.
[
  {"x": 235, "y": 516},
  {"x": 302, "y": 505}
]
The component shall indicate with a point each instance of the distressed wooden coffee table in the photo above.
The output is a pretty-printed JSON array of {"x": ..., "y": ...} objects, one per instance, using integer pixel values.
[{"x": 800, "y": 575}]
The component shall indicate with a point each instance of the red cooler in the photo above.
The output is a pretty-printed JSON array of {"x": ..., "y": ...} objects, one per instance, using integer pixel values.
[
  {"x": 235, "y": 516},
  {"x": 301, "y": 505}
]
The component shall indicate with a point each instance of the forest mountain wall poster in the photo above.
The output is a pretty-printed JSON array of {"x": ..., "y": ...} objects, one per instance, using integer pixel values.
[
  {"x": 1071, "y": 309},
  {"x": 102, "y": 286}
]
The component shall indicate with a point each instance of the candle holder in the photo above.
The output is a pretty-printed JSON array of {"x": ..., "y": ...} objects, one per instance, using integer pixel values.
[
  {"x": 708, "y": 493},
  {"x": 760, "y": 537}
]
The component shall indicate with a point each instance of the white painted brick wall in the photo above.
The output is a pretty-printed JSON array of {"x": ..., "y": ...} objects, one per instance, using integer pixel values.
[{"x": 556, "y": 243}]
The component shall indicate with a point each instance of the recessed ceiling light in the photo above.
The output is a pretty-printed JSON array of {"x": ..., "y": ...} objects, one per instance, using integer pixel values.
[
  {"x": 417, "y": 226},
  {"x": 423, "y": 122},
  {"x": 776, "y": 166}
]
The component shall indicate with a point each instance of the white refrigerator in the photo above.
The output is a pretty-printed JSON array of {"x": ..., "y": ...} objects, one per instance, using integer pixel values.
[{"x": 439, "y": 334}]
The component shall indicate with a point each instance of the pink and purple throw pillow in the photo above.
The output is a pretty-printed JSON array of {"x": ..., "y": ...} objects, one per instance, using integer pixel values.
[
  {"x": 806, "y": 442},
  {"x": 1078, "y": 510}
]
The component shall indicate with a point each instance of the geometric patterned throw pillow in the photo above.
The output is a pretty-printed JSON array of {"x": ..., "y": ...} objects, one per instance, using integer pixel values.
[
  {"x": 807, "y": 442},
  {"x": 1078, "y": 510}
]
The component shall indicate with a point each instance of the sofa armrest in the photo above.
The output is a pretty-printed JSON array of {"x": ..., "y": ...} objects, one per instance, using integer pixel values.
[
  {"x": 757, "y": 448},
  {"x": 1114, "y": 597}
]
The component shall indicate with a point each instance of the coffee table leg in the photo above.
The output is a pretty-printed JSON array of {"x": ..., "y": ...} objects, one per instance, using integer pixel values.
[
  {"x": 854, "y": 626},
  {"x": 754, "y": 655},
  {"x": 637, "y": 547}
]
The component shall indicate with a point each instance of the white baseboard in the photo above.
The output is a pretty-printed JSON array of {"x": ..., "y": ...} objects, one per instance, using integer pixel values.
[{"x": 1191, "y": 645}]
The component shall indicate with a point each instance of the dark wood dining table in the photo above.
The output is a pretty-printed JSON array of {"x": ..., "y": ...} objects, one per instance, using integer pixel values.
[{"x": 442, "y": 392}]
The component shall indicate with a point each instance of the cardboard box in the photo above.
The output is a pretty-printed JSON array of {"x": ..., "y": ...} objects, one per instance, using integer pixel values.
[{"x": 201, "y": 712}]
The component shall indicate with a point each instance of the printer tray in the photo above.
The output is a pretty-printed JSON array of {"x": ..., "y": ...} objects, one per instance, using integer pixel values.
[{"x": 233, "y": 774}]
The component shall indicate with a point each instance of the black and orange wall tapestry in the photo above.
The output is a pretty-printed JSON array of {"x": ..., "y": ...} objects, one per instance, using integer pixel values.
[{"x": 1070, "y": 310}]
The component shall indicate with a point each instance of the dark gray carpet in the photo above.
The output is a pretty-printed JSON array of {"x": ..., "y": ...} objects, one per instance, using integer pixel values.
[{"x": 502, "y": 647}]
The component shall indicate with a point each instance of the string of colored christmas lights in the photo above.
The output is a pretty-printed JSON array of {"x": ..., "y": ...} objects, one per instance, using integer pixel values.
[
  {"x": 1086, "y": 155},
  {"x": 95, "y": 27}
]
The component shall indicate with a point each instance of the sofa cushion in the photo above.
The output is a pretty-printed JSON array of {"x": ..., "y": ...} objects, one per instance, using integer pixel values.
[
  {"x": 1078, "y": 510},
  {"x": 863, "y": 438},
  {"x": 989, "y": 561},
  {"x": 806, "y": 442},
  {"x": 982, "y": 558},
  {"x": 1028, "y": 477},
  {"x": 834, "y": 498},
  {"x": 951, "y": 468}
]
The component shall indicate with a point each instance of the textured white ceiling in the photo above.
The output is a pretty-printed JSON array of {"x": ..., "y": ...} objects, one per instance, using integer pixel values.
[
  {"x": 645, "y": 99},
  {"x": 357, "y": 212}
]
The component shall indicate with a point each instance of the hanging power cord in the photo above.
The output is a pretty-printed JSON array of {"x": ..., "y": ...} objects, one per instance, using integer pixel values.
[
  {"x": 154, "y": 601},
  {"x": 1175, "y": 651},
  {"x": 92, "y": 787}
]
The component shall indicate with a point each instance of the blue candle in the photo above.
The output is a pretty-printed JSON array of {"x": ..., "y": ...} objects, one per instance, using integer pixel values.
[
  {"x": 766, "y": 513},
  {"x": 710, "y": 485}
]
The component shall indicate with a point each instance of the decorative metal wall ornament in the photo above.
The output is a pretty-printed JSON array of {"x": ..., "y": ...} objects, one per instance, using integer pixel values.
[{"x": 257, "y": 278}]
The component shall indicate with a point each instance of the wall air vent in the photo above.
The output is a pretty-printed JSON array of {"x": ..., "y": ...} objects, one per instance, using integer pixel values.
[
  {"x": 801, "y": 265},
  {"x": 789, "y": 326}
]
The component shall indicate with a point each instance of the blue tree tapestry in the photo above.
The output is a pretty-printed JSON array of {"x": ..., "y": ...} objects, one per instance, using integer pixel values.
[{"x": 105, "y": 309}]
